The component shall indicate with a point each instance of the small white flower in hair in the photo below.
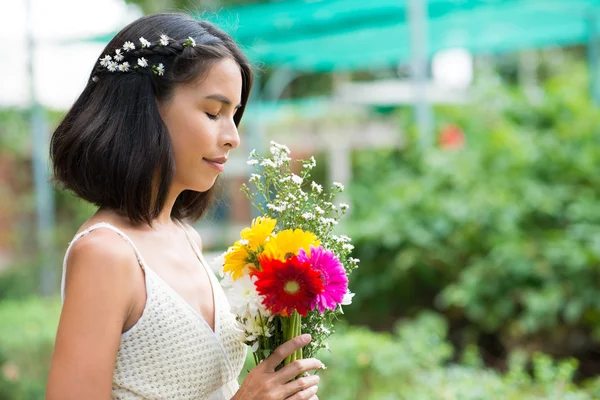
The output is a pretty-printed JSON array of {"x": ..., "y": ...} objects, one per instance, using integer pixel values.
[
  {"x": 128, "y": 46},
  {"x": 112, "y": 66},
  {"x": 159, "y": 69},
  {"x": 164, "y": 40},
  {"x": 144, "y": 43},
  {"x": 118, "y": 55},
  {"x": 124, "y": 67},
  {"x": 189, "y": 42},
  {"x": 105, "y": 60},
  {"x": 142, "y": 62}
]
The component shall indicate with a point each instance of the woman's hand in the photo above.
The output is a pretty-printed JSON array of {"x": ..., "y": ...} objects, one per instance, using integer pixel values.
[{"x": 264, "y": 383}]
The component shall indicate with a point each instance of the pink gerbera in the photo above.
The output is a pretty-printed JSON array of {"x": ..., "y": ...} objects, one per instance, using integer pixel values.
[{"x": 332, "y": 274}]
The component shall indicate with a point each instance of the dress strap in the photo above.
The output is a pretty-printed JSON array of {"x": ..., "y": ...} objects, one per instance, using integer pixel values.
[{"x": 87, "y": 231}]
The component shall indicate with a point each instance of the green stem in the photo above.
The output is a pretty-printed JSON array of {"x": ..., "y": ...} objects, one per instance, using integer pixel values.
[
  {"x": 287, "y": 333},
  {"x": 298, "y": 333}
]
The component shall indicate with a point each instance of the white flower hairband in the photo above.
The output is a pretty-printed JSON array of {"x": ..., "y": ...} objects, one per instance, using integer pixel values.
[{"x": 113, "y": 63}]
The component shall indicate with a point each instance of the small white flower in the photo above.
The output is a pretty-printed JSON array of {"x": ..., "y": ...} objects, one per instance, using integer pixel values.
[
  {"x": 164, "y": 40},
  {"x": 145, "y": 43},
  {"x": 280, "y": 147},
  {"x": 311, "y": 163},
  {"x": 118, "y": 55},
  {"x": 344, "y": 206},
  {"x": 345, "y": 239},
  {"x": 354, "y": 260},
  {"x": 128, "y": 46},
  {"x": 142, "y": 62},
  {"x": 338, "y": 185},
  {"x": 254, "y": 347},
  {"x": 347, "y": 300},
  {"x": 112, "y": 66},
  {"x": 244, "y": 242},
  {"x": 124, "y": 67},
  {"x": 105, "y": 60},
  {"x": 277, "y": 208},
  {"x": 285, "y": 179},
  {"x": 348, "y": 247},
  {"x": 252, "y": 162},
  {"x": 190, "y": 42},
  {"x": 254, "y": 178},
  {"x": 316, "y": 187},
  {"x": 308, "y": 216},
  {"x": 297, "y": 179},
  {"x": 328, "y": 221},
  {"x": 319, "y": 210},
  {"x": 268, "y": 163},
  {"x": 159, "y": 69}
]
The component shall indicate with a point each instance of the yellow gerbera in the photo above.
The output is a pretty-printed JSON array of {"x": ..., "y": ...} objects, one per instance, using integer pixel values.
[
  {"x": 236, "y": 260},
  {"x": 289, "y": 242},
  {"x": 261, "y": 229}
]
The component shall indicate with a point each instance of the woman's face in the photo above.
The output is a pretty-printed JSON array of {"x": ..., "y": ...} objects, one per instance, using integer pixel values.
[{"x": 199, "y": 118}]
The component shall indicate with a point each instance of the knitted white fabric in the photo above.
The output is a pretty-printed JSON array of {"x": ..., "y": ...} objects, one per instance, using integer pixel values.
[{"x": 171, "y": 352}]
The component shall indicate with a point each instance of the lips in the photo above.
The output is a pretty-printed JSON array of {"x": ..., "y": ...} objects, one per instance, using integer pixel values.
[
  {"x": 217, "y": 163},
  {"x": 218, "y": 160}
]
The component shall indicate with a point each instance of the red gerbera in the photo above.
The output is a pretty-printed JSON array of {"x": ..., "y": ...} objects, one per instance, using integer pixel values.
[{"x": 288, "y": 285}]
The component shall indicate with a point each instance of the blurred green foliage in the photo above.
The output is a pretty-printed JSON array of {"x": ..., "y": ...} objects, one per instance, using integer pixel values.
[
  {"x": 27, "y": 336},
  {"x": 411, "y": 363},
  {"x": 503, "y": 234}
]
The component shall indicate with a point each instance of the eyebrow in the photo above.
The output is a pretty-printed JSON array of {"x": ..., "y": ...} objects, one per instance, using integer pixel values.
[{"x": 222, "y": 99}]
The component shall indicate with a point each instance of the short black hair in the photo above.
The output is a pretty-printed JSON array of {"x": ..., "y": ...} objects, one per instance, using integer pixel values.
[{"x": 112, "y": 148}]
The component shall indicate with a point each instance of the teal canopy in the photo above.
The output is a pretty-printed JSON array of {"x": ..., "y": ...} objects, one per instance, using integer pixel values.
[{"x": 338, "y": 35}]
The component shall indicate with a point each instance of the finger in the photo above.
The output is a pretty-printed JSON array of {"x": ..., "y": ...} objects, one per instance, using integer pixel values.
[
  {"x": 300, "y": 384},
  {"x": 306, "y": 394},
  {"x": 298, "y": 367},
  {"x": 281, "y": 352}
]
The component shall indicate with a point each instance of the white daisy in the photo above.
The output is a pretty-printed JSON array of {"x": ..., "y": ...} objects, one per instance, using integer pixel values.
[
  {"x": 112, "y": 66},
  {"x": 128, "y": 46},
  {"x": 142, "y": 62},
  {"x": 145, "y": 43},
  {"x": 252, "y": 162},
  {"x": 105, "y": 60},
  {"x": 164, "y": 40},
  {"x": 118, "y": 55},
  {"x": 124, "y": 67}
]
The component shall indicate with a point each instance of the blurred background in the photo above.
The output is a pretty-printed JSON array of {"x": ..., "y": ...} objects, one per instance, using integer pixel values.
[{"x": 467, "y": 135}]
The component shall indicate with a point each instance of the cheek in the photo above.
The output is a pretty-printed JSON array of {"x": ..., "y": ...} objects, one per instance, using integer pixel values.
[{"x": 190, "y": 136}]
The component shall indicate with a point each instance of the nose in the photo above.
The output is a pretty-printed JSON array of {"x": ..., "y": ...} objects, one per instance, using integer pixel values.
[{"x": 231, "y": 137}]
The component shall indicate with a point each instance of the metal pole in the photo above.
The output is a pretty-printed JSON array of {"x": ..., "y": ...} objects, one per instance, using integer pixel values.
[
  {"x": 419, "y": 50},
  {"x": 46, "y": 221}
]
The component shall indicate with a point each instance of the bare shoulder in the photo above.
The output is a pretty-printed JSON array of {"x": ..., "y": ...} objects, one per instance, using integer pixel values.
[
  {"x": 99, "y": 295},
  {"x": 194, "y": 234},
  {"x": 104, "y": 255}
]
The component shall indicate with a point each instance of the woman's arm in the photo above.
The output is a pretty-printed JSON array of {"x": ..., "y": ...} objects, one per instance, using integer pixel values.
[{"x": 99, "y": 294}]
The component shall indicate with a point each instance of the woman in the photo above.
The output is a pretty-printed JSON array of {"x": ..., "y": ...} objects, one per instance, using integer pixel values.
[{"x": 143, "y": 316}]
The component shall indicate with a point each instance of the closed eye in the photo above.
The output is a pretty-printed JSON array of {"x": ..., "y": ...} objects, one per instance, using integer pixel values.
[{"x": 212, "y": 116}]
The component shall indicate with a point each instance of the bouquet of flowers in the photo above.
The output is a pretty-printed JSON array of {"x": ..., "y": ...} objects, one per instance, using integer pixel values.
[{"x": 288, "y": 272}]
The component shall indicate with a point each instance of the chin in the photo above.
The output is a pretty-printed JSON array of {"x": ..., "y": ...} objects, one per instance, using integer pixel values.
[{"x": 204, "y": 186}]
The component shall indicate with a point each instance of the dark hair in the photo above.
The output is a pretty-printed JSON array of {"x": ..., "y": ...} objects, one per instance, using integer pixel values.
[{"x": 112, "y": 148}]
